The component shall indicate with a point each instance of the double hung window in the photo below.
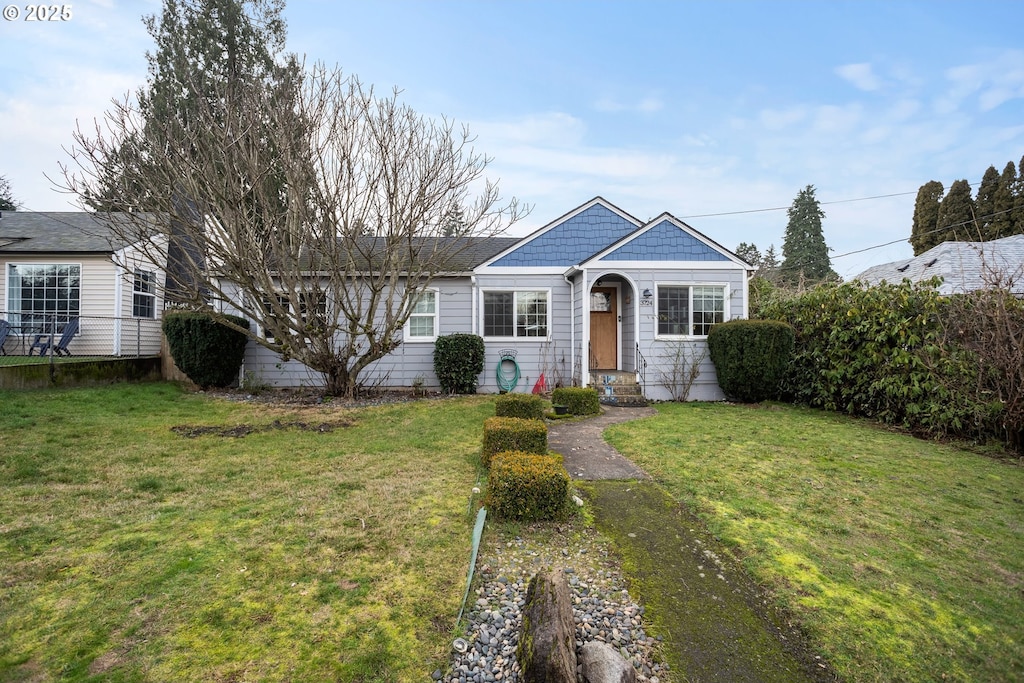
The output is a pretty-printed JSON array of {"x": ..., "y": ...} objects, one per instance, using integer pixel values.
[
  {"x": 144, "y": 294},
  {"x": 685, "y": 311},
  {"x": 422, "y": 323}
]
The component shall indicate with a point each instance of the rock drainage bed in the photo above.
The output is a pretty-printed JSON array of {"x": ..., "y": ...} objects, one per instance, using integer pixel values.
[{"x": 602, "y": 608}]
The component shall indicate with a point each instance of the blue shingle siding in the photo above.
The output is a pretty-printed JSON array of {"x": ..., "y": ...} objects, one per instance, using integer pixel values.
[
  {"x": 572, "y": 241},
  {"x": 665, "y": 242}
]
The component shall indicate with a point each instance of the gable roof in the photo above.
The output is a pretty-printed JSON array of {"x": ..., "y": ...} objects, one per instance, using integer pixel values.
[
  {"x": 56, "y": 232},
  {"x": 570, "y": 239},
  {"x": 666, "y": 238},
  {"x": 963, "y": 266}
]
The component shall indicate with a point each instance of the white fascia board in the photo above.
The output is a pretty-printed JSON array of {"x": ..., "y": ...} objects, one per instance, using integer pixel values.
[
  {"x": 558, "y": 221},
  {"x": 605, "y": 266},
  {"x": 520, "y": 270}
]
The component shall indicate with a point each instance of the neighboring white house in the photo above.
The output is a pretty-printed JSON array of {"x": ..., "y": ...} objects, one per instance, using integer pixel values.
[
  {"x": 62, "y": 265},
  {"x": 593, "y": 293},
  {"x": 963, "y": 266}
]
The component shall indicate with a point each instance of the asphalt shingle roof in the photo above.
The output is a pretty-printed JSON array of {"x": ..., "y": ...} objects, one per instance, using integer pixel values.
[
  {"x": 963, "y": 266},
  {"x": 70, "y": 232}
]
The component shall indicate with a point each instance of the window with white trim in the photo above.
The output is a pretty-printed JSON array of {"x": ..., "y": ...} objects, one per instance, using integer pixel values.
[
  {"x": 685, "y": 311},
  {"x": 422, "y": 324},
  {"x": 144, "y": 294},
  {"x": 43, "y": 296},
  {"x": 312, "y": 313},
  {"x": 516, "y": 314}
]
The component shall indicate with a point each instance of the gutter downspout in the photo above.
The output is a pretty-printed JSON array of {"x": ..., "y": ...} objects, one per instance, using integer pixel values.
[
  {"x": 572, "y": 318},
  {"x": 119, "y": 275},
  {"x": 473, "y": 303},
  {"x": 585, "y": 361}
]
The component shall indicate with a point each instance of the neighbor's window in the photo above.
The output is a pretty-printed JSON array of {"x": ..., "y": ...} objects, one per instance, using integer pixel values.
[
  {"x": 689, "y": 311},
  {"x": 43, "y": 297},
  {"x": 516, "y": 314},
  {"x": 272, "y": 316},
  {"x": 144, "y": 294},
  {"x": 422, "y": 323}
]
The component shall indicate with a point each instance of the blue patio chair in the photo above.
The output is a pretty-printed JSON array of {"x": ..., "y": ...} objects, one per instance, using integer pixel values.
[
  {"x": 5, "y": 329},
  {"x": 42, "y": 341}
]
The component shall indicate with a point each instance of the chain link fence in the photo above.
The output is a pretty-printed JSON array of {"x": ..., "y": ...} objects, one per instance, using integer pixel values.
[{"x": 30, "y": 337}]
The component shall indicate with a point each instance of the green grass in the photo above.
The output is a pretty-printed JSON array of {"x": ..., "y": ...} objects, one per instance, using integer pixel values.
[
  {"x": 903, "y": 559},
  {"x": 131, "y": 552}
]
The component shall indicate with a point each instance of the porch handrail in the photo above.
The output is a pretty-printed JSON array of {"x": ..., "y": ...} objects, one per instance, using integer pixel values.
[{"x": 641, "y": 369}]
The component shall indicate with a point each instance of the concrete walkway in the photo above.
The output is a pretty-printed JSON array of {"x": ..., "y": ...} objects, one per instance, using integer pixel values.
[
  {"x": 717, "y": 623},
  {"x": 586, "y": 454}
]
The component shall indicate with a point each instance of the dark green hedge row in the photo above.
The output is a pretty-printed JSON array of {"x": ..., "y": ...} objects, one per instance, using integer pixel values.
[
  {"x": 527, "y": 487},
  {"x": 526, "y": 406},
  {"x": 580, "y": 401},
  {"x": 905, "y": 355},
  {"x": 458, "y": 361},
  {"x": 751, "y": 357},
  {"x": 208, "y": 352}
]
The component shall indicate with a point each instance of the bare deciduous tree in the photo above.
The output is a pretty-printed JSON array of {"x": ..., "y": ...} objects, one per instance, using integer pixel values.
[{"x": 320, "y": 214}]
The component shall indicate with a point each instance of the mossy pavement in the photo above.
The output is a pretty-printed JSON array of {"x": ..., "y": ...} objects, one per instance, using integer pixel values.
[{"x": 716, "y": 623}]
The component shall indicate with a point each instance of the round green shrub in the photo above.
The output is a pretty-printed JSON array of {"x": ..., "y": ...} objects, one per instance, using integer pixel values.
[
  {"x": 751, "y": 357},
  {"x": 458, "y": 361},
  {"x": 208, "y": 352}
]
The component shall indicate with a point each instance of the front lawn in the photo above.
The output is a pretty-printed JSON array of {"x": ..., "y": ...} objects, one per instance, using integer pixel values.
[
  {"x": 903, "y": 559},
  {"x": 250, "y": 543}
]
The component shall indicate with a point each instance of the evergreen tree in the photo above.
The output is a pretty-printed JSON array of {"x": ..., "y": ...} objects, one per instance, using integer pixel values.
[
  {"x": 208, "y": 52},
  {"x": 923, "y": 234},
  {"x": 1018, "y": 200},
  {"x": 805, "y": 254},
  {"x": 749, "y": 253},
  {"x": 984, "y": 204},
  {"x": 956, "y": 215},
  {"x": 1001, "y": 224},
  {"x": 769, "y": 266},
  {"x": 7, "y": 201}
]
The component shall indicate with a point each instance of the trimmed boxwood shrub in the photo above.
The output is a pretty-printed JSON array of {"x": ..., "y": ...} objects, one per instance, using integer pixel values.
[
  {"x": 751, "y": 357},
  {"x": 513, "y": 434},
  {"x": 526, "y": 406},
  {"x": 208, "y": 352},
  {"x": 458, "y": 361},
  {"x": 527, "y": 487},
  {"x": 581, "y": 401}
]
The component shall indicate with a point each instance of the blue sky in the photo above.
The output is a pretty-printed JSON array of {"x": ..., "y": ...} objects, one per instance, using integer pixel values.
[{"x": 689, "y": 107}]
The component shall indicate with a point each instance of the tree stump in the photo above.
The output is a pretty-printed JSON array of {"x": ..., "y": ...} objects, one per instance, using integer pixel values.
[{"x": 547, "y": 642}]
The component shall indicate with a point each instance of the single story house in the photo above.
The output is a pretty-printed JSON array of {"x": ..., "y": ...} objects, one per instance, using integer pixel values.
[
  {"x": 963, "y": 266},
  {"x": 595, "y": 295},
  {"x": 58, "y": 266}
]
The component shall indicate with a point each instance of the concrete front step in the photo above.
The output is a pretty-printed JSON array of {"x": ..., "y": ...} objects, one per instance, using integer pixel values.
[{"x": 617, "y": 388}]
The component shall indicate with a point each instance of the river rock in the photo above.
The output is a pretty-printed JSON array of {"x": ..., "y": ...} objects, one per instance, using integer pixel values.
[
  {"x": 600, "y": 663},
  {"x": 547, "y": 644}
]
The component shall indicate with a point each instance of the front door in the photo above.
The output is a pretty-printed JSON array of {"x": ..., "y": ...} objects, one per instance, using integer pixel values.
[{"x": 604, "y": 328}]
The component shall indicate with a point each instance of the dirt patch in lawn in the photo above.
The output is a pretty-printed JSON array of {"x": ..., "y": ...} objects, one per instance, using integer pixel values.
[{"x": 241, "y": 430}]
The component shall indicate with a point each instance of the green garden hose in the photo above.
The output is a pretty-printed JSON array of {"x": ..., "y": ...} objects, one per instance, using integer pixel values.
[{"x": 505, "y": 382}]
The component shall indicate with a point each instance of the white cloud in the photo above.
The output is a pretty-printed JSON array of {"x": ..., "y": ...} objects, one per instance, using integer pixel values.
[
  {"x": 861, "y": 75},
  {"x": 646, "y": 105},
  {"x": 777, "y": 119}
]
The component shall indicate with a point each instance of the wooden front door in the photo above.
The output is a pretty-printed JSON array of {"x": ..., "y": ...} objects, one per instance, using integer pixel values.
[{"x": 604, "y": 328}]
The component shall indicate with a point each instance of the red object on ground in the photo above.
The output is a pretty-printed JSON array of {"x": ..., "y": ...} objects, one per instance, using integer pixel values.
[{"x": 541, "y": 386}]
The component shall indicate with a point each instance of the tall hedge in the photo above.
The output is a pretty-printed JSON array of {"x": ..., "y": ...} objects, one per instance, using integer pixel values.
[
  {"x": 751, "y": 357},
  {"x": 882, "y": 352},
  {"x": 208, "y": 352},
  {"x": 458, "y": 361}
]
